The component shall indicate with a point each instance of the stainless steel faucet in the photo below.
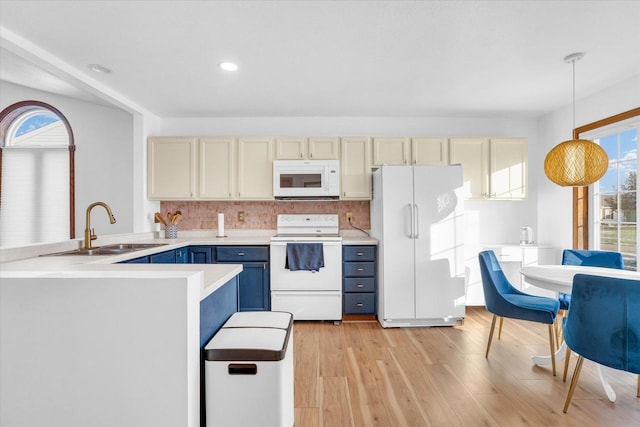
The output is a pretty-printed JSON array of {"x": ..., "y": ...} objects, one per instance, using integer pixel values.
[{"x": 89, "y": 234}]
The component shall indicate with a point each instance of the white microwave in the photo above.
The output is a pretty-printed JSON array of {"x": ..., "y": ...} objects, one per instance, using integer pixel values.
[{"x": 306, "y": 179}]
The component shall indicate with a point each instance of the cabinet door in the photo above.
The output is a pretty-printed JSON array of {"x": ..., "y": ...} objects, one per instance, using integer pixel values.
[
  {"x": 255, "y": 168},
  {"x": 167, "y": 257},
  {"x": 199, "y": 255},
  {"x": 355, "y": 168},
  {"x": 324, "y": 148},
  {"x": 430, "y": 151},
  {"x": 182, "y": 256},
  {"x": 171, "y": 168},
  {"x": 291, "y": 148},
  {"x": 217, "y": 168},
  {"x": 508, "y": 168},
  {"x": 473, "y": 154},
  {"x": 254, "y": 289},
  {"x": 390, "y": 151}
]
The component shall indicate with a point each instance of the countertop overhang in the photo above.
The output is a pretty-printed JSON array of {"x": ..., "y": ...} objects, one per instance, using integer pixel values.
[{"x": 27, "y": 262}]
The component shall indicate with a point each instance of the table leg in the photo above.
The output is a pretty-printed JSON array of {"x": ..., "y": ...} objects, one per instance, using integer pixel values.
[
  {"x": 546, "y": 360},
  {"x": 611, "y": 394},
  {"x": 560, "y": 353}
]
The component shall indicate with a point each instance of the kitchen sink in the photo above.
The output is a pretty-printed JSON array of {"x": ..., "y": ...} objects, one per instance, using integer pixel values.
[{"x": 117, "y": 249}]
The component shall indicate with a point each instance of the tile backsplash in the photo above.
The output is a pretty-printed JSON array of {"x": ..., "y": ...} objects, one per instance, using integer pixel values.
[{"x": 203, "y": 215}]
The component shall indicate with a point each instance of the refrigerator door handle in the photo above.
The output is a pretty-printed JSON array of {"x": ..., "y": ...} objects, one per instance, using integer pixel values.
[
  {"x": 411, "y": 219},
  {"x": 416, "y": 208}
]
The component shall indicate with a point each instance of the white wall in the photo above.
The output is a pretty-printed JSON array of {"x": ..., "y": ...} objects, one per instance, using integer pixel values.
[
  {"x": 555, "y": 202},
  {"x": 103, "y": 161},
  {"x": 498, "y": 221}
]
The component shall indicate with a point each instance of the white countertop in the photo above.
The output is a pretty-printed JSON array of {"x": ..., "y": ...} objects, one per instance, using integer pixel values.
[
  {"x": 27, "y": 262},
  {"x": 29, "y": 256}
]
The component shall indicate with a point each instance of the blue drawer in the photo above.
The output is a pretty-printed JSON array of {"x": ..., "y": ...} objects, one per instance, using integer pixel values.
[
  {"x": 359, "y": 253},
  {"x": 357, "y": 269},
  {"x": 354, "y": 284},
  {"x": 359, "y": 303},
  {"x": 242, "y": 253}
]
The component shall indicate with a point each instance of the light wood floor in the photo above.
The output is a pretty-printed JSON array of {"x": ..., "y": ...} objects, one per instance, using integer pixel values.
[{"x": 359, "y": 374}]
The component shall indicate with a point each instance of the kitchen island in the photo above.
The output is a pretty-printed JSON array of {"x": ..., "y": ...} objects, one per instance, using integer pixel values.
[
  {"x": 90, "y": 340},
  {"x": 87, "y": 344}
]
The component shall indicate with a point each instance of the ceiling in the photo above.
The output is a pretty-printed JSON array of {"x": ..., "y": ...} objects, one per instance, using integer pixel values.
[{"x": 322, "y": 58}]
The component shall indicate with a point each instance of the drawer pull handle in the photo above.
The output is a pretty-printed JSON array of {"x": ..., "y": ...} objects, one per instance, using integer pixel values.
[
  {"x": 240, "y": 253},
  {"x": 359, "y": 285},
  {"x": 360, "y": 304},
  {"x": 359, "y": 254},
  {"x": 359, "y": 269}
]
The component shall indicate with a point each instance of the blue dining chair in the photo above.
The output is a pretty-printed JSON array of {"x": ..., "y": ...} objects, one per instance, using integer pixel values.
[
  {"x": 603, "y": 324},
  {"x": 503, "y": 300},
  {"x": 589, "y": 258}
]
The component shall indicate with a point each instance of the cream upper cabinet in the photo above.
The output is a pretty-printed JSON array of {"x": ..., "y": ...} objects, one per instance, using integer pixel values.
[
  {"x": 414, "y": 151},
  {"x": 430, "y": 151},
  {"x": 473, "y": 155},
  {"x": 508, "y": 178},
  {"x": 291, "y": 148},
  {"x": 217, "y": 162},
  {"x": 171, "y": 168},
  {"x": 315, "y": 148},
  {"x": 390, "y": 151},
  {"x": 324, "y": 148},
  {"x": 255, "y": 168},
  {"x": 493, "y": 168},
  {"x": 355, "y": 168}
]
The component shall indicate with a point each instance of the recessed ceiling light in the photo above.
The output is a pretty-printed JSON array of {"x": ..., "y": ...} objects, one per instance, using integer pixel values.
[
  {"x": 229, "y": 66},
  {"x": 97, "y": 68}
]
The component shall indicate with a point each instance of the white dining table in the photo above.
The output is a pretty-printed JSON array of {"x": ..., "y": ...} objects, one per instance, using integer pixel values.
[{"x": 559, "y": 278}]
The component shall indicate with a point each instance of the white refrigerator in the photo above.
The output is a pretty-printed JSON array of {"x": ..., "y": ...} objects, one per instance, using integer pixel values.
[{"x": 417, "y": 215}]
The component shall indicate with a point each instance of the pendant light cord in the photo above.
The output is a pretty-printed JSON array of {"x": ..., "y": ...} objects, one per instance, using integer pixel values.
[{"x": 573, "y": 62}]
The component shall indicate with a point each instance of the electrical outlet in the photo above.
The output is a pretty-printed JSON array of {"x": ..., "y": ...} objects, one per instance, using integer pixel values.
[
  {"x": 350, "y": 217},
  {"x": 241, "y": 216}
]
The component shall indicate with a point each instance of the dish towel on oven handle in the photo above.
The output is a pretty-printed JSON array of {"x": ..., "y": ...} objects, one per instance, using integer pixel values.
[{"x": 304, "y": 256}]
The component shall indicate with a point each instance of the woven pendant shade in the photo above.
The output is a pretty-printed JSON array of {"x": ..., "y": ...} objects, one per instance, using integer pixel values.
[{"x": 576, "y": 163}]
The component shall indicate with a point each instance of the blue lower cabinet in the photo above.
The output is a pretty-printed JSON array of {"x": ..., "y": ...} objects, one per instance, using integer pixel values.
[
  {"x": 254, "y": 289},
  {"x": 167, "y": 257},
  {"x": 359, "y": 279},
  {"x": 199, "y": 255},
  {"x": 182, "y": 255},
  {"x": 215, "y": 309}
]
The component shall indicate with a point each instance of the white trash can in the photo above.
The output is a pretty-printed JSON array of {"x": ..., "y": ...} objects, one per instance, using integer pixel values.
[{"x": 249, "y": 371}]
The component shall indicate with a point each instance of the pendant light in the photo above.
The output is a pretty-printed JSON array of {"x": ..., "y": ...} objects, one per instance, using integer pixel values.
[{"x": 576, "y": 162}]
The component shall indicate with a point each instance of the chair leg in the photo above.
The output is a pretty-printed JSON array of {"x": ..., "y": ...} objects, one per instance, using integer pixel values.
[
  {"x": 567, "y": 356},
  {"x": 558, "y": 328},
  {"x": 500, "y": 328},
  {"x": 552, "y": 348},
  {"x": 574, "y": 382},
  {"x": 493, "y": 325}
]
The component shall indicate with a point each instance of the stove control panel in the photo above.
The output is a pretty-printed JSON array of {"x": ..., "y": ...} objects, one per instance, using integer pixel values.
[{"x": 308, "y": 223}]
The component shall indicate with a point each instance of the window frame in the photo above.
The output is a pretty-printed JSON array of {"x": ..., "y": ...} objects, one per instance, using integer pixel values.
[
  {"x": 7, "y": 118},
  {"x": 581, "y": 194}
]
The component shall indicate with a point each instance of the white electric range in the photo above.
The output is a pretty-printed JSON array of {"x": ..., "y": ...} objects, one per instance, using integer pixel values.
[{"x": 308, "y": 295}]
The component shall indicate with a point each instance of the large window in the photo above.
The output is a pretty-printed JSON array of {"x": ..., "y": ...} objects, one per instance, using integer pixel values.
[
  {"x": 36, "y": 175},
  {"x": 614, "y": 211}
]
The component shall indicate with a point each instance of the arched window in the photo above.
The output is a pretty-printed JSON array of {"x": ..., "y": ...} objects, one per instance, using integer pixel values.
[{"x": 36, "y": 175}]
